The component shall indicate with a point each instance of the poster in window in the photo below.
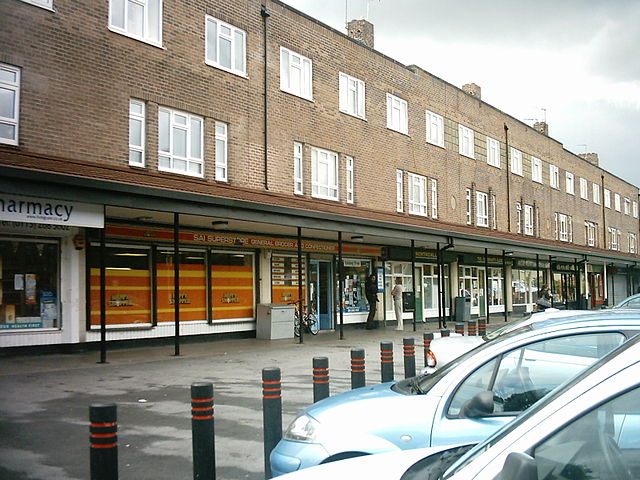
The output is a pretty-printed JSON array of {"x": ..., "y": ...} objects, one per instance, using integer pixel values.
[
  {"x": 48, "y": 308},
  {"x": 18, "y": 281},
  {"x": 30, "y": 289}
]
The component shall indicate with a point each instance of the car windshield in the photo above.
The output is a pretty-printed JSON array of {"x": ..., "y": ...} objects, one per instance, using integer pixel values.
[
  {"x": 433, "y": 466},
  {"x": 509, "y": 427}
]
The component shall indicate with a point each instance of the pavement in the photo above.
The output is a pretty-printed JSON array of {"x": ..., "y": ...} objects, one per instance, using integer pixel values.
[{"x": 44, "y": 401}]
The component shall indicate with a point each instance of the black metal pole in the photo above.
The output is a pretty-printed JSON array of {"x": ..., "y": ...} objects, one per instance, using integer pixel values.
[
  {"x": 551, "y": 289},
  {"x": 537, "y": 275},
  {"x": 103, "y": 438},
  {"x": 340, "y": 286},
  {"x": 357, "y": 368},
  {"x": 413, "y": 280},
  {"x": 202, "y": 431},
  {"x": 103, "y": 298},
  {"x": 320, "y": 378},
  {"x": 300, "y": 303},
  {"x": 176, "y": 281},
  {"x": 271, "y": 413},
  {"x": 504, "y": 283},
  {"x": 486, "y": 283},
  {"x": 439, "y": 273}
]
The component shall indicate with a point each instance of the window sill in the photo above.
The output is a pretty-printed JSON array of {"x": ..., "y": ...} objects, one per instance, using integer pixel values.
[
  {"x": 331, "y": 199},
  {"x": 364, "y": 119},
  {"x": 436, "y": 145},
  {"x": 518, "y": 174},
  {"x": 37, "y": 4},
  {"x": 224, "y": 69},
  {"x": 139, "y": 39},
  {"x": 308, "y": 99},
  {"x": 406, "y": 134},
  {"x": 180, "y": 172},
  {"x": 472, "y": 157}
]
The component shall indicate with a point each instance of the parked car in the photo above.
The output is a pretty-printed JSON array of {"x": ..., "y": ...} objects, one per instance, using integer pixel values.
[
  {"x": 444, "y": 349},
  {"x": 588, "y": 428},
  {"x": 630, "y": 302},
  {"x": 463, "y": 402}
]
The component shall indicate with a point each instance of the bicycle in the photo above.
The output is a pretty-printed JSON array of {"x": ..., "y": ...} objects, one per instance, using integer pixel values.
[{"x": 309, "y": 320}]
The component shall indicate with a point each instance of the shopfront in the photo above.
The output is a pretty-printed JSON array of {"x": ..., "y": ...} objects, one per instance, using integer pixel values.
[
  {"x": 474, "y": 271},
  {"x": 596, "y": 279},
  {"x": 527, "y": 277},
  {"x": 565, "y": 285}
]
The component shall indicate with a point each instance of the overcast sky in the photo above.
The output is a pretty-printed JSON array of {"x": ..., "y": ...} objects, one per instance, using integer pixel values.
[{"x": 574, "y": 63}]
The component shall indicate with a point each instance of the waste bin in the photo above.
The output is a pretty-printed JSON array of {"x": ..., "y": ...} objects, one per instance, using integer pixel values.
[
  {"x": 408, "y": 301},
  {"x": 463, "y": 309},
  {"x": 274, "y": 320}
]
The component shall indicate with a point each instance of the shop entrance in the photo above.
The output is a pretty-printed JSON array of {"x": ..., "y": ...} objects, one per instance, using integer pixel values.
[
  {"x": 320, "y": 295},
  {"x": 564, "y": 290}
]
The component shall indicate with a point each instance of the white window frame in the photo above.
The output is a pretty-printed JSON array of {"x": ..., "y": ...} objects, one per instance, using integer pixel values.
[
  {"x": 616, "y": 202},
  {"x": 584, "y": 189},
  {"x": 399, "y": 191},
  {"x": 536, "y": 169},
  {"x": 46, "y": 4},
  {"x": 351, "y": 95},
  {"x": 295, "y": 66},
  {"x": 596, "y": 194},
  {"x": 627, "y": 206},
  {"x": 417, "y": 194},
  {"x": 518, "y": 217},
  {"x": 634, "y": 209},
  {"x": 397, "y": 114},
  {"x": 468, "y": 205},
  {"x": 298, "y": 172},
  {"x": 435, "y": 128},
  {"x": 564, "y": 227},
  {"x": 12, "y": 86},
  {"x": 329, "y": 190},
  {"x": 554, "y": 177},
  {"x": 493, "y": 152},
  {"x": 152, "y": 13},
  {"x": 189, "y": 159},
  {"x": 482, "y": 209},
  {"x": 434, "y": 198},
  {"x": 590, "y": 233},
  {"x": 633, "y": 243},
  {"x": 613, "y": 239},
  {"x": 466, "y": 142},
  {"x": 516, "y": 161},
  {"x": 528, "y": 220},
  {"x": 349, "y": 179},
  {"x": 222, "y": 152},
  {"x": 237, "y": 39},
  {"x": 607, "y": 198},
  {"x": 137, "y": 116},
  {"x": 570, "y": 186}
]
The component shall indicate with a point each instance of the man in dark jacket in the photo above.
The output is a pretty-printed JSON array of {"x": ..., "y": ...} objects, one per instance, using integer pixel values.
[{"x": 371, "y": 292}]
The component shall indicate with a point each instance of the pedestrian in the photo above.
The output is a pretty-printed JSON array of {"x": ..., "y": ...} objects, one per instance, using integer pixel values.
[
  {"x": 371, "y": 292},
  {"x": 396, "y": 293},
  {"x": 544, "y": 298}
]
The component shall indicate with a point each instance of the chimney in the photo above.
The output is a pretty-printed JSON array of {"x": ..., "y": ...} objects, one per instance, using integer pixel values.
[
  {"x": 592, "y": 158},
  {"x": 542, "y": 127},
  {"x": 473, "y": 90},
  {"x": 362, "y": 31}
]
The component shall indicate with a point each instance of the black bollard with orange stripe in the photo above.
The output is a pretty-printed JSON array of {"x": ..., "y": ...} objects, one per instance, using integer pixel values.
[
  {"x": 103, "y": 438},
  {"x": 427, "y": 337},
  {"x": 482, "y": 326},
  {"x": 471, "y": 328},
  {"x": 386, "y": 361},
  {"x": 357, "y": 368},
  {"x": 202, "y": 431},
  {"x": 320, "y": 378},
  {"x": 271, "y": 413},
  {"x": 409, "y": 351},
  {"x": 460, "y": 328},
  {"x": 444, "y": 333}
]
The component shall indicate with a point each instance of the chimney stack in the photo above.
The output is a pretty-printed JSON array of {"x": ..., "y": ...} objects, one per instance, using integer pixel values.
[
  {"x": 592, "y": 158},
  {"x": 362, "y": 31},
  {"x": 542, "y": 127},
  {"x": 473, "y": 90}
]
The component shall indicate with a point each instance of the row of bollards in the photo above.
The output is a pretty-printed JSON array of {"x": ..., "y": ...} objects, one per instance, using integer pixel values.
[
  {"x": 473, "y": 327},
  {"x": 103, "y": 418}
]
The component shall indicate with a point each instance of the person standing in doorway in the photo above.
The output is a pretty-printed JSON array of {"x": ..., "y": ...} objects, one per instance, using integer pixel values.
[
  {"x": 371, "y": 292},
  {"x": 396, "y": 293}
]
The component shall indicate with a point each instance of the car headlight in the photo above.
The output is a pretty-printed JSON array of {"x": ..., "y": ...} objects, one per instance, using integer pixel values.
[
  {"x": 431, "y": 359},
  {"x": 302, "y": 429}
]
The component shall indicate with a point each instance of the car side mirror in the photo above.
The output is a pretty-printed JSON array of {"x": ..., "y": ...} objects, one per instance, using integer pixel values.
[
  {"x": 519, "y": 465},
  {"x": 479, "y": 406}
]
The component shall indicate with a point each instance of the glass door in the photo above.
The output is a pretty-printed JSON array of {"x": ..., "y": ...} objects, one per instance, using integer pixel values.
[{"x": 320, "y": 295}]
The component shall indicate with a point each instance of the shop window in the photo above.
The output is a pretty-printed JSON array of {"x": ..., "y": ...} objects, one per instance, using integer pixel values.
[
  {"x": 524, "y": 287},
  {"x": 192, "y": 288},
  {"x": 29, "y": 281},
  {"x": 128, "y": 286},
  {"x": 232, "y": 285},
  {"x": 285, "y": 279},
  {"x": 355, "y": 276},
  {"x": 430, "y": 299},
  {"x": 394, "y": 270},
  {"x": 496, "y": 296}
]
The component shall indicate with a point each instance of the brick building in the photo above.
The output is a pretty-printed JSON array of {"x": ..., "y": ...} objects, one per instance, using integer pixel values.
[{"x": 266, "y": 147}]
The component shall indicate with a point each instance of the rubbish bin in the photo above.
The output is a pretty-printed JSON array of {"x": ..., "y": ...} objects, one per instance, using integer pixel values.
[
  {"x": 274, "y": 320},
  {"x": 408, "y": 301},
  {"x": 463, "y": 309}
]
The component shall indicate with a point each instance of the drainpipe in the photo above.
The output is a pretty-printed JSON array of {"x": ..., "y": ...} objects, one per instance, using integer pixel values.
[
  {"x": 265, "y": 15},
  {"x": 506, "y": 143},
  {"x": 604, "y": 218}
]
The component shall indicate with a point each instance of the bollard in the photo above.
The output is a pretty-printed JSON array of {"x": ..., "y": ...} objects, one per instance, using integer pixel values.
[
  {"x": 427, "y": 338},
  {"x": 409, "y": 350},
  {"x": 357, "y": 368},
  {"x": 103, "y": 439},
  {"x": 386, "y": 361},
  {"x": 320, "y": 378},
  {"x": 202, "y": 431},
  {"x": 471, "y": 328},
  {"x": 460, "y": 328},
  {"x": 271, "y": 413},
  {"x": 444, "y": 333},
  {"x": 482, "y": 326}
]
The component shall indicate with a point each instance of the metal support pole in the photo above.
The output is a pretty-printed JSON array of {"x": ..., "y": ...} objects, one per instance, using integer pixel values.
[
  {"x": 409, "y": 352},
  {"x": 340, "y": 285},
  {"x": 202, "y": 431},
  {"x": 103, "y": 438},
  {"x": 300, "y": 304},
  {"x": 357, "y": 368},
  {"x": 504, "y": 284},
  {"x": 537, "y": 276},
  {"x": 103, "y": 298},
  {"x": 486, "y": 283},
  {"x": 386, "y": 361},
  {"x": 413, "y": 280},
  {"x": 271, "y": 413},
  {"x": 320, "y": 378},
  {"x": 551, "y": 279},
  {"x": 176, "y": 282},
  {"x": 439, "y": 273}
]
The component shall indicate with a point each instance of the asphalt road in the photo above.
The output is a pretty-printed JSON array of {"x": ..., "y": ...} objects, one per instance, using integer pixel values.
[{"x": 44, "y": 401}]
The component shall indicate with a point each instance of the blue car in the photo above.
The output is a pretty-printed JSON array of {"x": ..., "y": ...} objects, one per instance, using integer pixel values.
[{"x": 463, "y": 402}]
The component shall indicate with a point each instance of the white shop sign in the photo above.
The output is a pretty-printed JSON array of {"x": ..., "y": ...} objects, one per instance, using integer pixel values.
[{"x": 17, "y": 208}]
